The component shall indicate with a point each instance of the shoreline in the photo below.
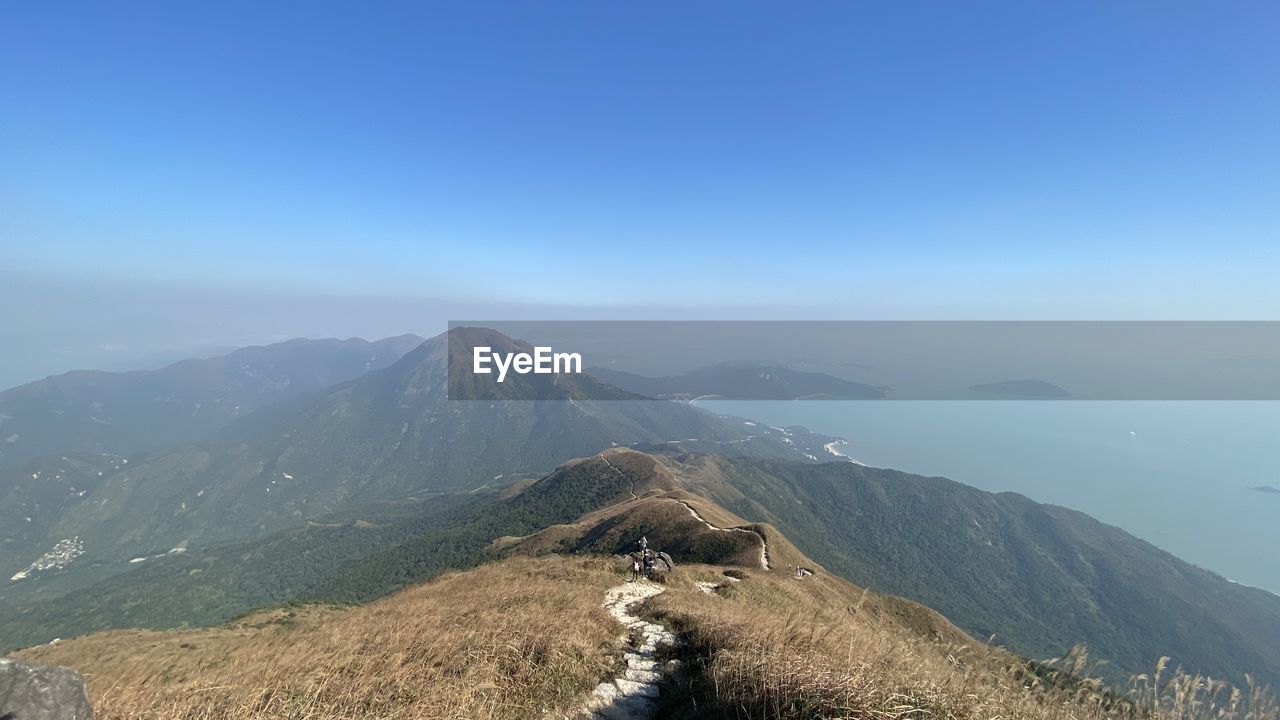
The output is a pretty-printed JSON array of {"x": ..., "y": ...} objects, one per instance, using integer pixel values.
[{"x": 834, "y": 446}]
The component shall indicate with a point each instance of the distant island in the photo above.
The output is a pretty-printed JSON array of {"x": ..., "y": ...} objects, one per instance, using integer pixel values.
[
  {"x": 1029, "y": 389},
  {"x": 1269, "y": 489}
]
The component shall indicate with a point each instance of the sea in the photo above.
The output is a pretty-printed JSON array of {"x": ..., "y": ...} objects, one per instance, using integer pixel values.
[{"x": 1180, "y": 475}]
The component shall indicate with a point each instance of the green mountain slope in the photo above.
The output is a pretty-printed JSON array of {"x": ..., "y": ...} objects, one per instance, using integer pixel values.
[
  {"x": 123, "y": 413},
  {"x": 352, "y": 556},
  {"x": 384, "y": 436},
  {"x": 1040, "y": 578}
]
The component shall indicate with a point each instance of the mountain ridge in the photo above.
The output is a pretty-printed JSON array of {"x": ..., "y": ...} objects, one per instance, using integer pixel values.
[
  {"x": 389, "y": 434},
  {"x": 1039, "y": 577},
  {"x": 186, "y": 401},
  {"x": 1042, "y": 579},
  {"x": 720, "y": 635}
]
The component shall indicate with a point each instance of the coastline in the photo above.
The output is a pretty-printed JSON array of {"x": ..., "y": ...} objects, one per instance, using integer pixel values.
[{"x": 834, "y": 446}]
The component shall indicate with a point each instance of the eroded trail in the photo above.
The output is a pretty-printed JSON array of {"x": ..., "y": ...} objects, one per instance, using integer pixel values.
[
  {"x": 614, "y": 468},
  {"x": 633, "y": 695},
  {"x": 764, "y": 544}
]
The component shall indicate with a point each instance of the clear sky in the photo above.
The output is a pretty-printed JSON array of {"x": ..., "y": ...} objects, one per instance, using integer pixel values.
[{"x": 173, "y": 174}]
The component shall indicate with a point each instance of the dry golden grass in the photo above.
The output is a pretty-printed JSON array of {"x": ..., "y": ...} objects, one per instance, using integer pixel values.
[
  {"x": 775, "y": 647},
  {"x": 511, "y": 640},
  {"x": 527, "y": 637}
]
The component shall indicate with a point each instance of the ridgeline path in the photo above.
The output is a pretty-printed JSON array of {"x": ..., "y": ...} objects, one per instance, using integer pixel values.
[{"x": 764, "y": 544}]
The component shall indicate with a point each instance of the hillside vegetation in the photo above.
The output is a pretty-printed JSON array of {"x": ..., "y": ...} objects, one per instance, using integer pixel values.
[
  {"x": 1039, "y": 578},
  {"x": 355, "y": 557},
  {"x": 772, "y": 646},
  {"x": 121, "y": 413},
  {"x": 383, "y": 437}
]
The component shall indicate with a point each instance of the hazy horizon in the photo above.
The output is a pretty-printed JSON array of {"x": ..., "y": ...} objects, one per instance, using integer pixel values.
[{"x": 373, "y": 171}]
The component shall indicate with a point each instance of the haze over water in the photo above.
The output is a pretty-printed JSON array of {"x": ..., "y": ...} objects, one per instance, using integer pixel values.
[{"x": 1177, "y": 474}]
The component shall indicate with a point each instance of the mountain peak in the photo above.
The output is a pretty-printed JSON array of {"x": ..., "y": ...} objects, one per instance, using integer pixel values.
[{"x": 187, "y": 401}]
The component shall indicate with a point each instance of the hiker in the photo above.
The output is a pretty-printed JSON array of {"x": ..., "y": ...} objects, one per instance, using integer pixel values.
[
  {"x": 635, "y": 569},
  {"x": 648, "y": 566}
]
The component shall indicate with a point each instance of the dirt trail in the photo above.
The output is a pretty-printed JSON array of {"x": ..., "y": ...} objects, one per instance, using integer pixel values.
[
  {"x": 633, "y": 695},
  {"x": 764, "y": 544},
  {"x": 614, "y": 468}
]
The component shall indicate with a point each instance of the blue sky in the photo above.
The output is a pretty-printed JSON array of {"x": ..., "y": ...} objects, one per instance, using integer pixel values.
[{"x": 853, "y": 159}]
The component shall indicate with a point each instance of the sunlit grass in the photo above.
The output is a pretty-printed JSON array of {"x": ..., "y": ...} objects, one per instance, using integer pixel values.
[
  {"x": 508, "y": 640},
  {"x": 776, "y": 647}
]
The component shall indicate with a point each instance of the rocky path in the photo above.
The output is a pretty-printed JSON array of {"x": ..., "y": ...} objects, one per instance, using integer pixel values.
[{"x": 633, "y": 695}]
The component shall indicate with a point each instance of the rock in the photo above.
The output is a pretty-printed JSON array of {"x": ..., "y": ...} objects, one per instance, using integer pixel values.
[
  {"x": 642, "y": 676},
  {"x": 606, "y": 692},
  {"x": 631, "y": 688},
  {"x": 633, "y": 708},
  {"x": 38, "y": 692},
  {"x": 635, "y": 661}
]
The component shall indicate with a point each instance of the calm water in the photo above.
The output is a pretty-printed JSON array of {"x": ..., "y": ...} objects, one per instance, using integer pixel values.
[{"x": 1176, "y": 474}]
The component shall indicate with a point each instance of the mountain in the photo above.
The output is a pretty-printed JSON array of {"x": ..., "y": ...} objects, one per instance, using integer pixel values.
[
  {"x": 398, "y": 429},
  {"x": 387, "y": 435},
  {"x": 355, "y": 491},
  {"x": 544, "y": 622},
  {"x": 743, "y": 381},
  {"x": 358, "y": 555},
  {"x": 1026, "y": 389},
  {"x": 123, "y": 413},
  {"x": 367, "y": 552},
  {"x": 1040, "y": 578}
]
